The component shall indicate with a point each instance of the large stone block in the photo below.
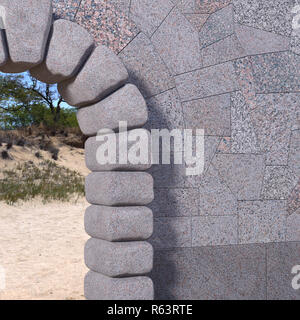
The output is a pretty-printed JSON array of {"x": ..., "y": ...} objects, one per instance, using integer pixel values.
[
  {"x": 119, "y": 223},
  {"x": 126, "y": 104},
  {"x": 102, "y": 74},
  {"x": 69, "y": 48},
  {"x": 100, "y": 287},
  {"x": 27, "y": 25},
  {"x": 118, "y": 259},
  {"x": 137, "y": 151},
  {"x": 3, "y": 49},
  {"x": 119, "y": 188}
]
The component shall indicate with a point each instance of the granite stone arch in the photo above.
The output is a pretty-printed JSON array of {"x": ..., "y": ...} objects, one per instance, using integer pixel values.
[{"x": 93, "y": 79}]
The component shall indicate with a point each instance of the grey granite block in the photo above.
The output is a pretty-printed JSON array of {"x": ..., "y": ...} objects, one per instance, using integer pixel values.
[
  {"x": 65, "y": 9},
  {"x": 255, "y": 41},
  {"x": 262, "y": 221},
  {"x": 119, "y": 188},
  {"x": 175, "y": 202},
  {"x": 165, "y": 111},
  {"x": 215, "y": 198},
  {"x": 100, "y": 287},
  {"x": 102, "y": 74},
  {"x": 243, "y": 174},
  {"x": 118, "y": 259},
  {"x": 243, "y": 136},
  {"x": 211, "y": 144},
  {"x": 171, "y": 232},
  {"x": 294, "y": 156},
  {"x": 293, "y": 226},
  {"x": 118, "y": 223},
  {"x": 281, "y": 258},
  {"x": 148, "y": 15},
  {"x": 146, "y": 69},
  {"x": 294, "y": 199},
  {"x": 27, "y": 26},
  {"x": 275, "y": 16},
  {"x": 213, "y": 231},
  {"x": 206, "y": 82},
  {"x": 218, "y": 26},
  {"x": 273, "y": 120},
  {"x": 211, "y": 114},
  {"x": 69, "y": 47},
  {"x": 276, "y": 72},
  {"x": 210, "y": 273},
  {"x": 126, "y": 104},
  {"x": 102, "y": 153},
  {"x": 279, "y": 182},
  {"x": 177, "y": 43},
  {"x": 221, "y": 51},
  {"x": 196, "y": 20},
  {"x": 185, "y": 6},
  {"x": 3, "y": 49}
]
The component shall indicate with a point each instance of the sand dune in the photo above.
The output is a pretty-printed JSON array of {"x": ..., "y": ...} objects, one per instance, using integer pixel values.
[{"x": 41, "y": 250}]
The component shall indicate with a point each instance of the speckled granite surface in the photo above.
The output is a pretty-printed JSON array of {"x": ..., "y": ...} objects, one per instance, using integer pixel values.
[{"x": 231, "y": 67}]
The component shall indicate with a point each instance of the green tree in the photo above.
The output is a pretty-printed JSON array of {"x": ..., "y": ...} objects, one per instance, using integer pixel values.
[{"x": 25, "y": 101}]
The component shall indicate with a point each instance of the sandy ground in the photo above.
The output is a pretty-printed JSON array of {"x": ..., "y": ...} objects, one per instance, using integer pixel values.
[{"x": 41, "y": 250}]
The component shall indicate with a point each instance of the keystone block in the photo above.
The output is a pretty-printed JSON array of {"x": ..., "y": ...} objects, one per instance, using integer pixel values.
[{"x": 27, "y": 25}]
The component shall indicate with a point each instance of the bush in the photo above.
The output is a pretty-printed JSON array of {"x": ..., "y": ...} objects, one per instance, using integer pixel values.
[
  {"x": 5, "y": 155},
  {"x": 48, "y": 181}
]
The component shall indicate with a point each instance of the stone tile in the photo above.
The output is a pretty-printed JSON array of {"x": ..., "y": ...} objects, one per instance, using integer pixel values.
[
  {"x": 243, "y": 136},
  {"x": 294, "y": 156},
  {"x": 196, "y": 20},
  {"x": 221, "y": 51},
  {"x": 293, "y": 226},
  {"x": 224, "y": 145},
  {"x": 276, "y": 72},
  {"x": 185, "y": 6},
  {"x": 294, "y": 199},
  {"x": 245, "y": 80},
  {"x": 122, "y": 5},
  {"x": 206, "y": 82},
  {"x": 295, "y": 42},
  {"x": 165, "y": 111},
  {"x": 214, "y": 273},
  {"x": 279, "y": 182},
  {"x": 211, "y": 114},
  {"x": 108, "y": 24},
  {"x": 145, "y": 67},
  {"x": 149, "y": 14},
  {"x": 175, "y": 202},
  {"x": 256, "y": 41},
  {"x": 272, "y": 120},
  {"x": 172, "y": 232},
  {"x": 242, "y": 173},
  {"x": 281, "y": 258},
  {"x": 210, "y": 6},
  {"x": 168, "y": 175},
  {"x": 211, "y": 144},
  {"x": 65, "y": 9},
  {"x": 275, "y": 16},
  {"x": 176, "y": 41},
  {"x": 262, "y": 221},
  {"x": 218, "y": 26},
  {"x": 213, "y": 231},
  {"x": 215, "y": 198}
]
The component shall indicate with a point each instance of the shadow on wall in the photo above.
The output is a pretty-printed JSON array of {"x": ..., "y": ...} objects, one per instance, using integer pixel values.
[{"x": 163, "y": 234}]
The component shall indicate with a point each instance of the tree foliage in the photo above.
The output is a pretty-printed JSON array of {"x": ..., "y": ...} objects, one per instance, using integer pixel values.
[{"x": 25, "y": 101}]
